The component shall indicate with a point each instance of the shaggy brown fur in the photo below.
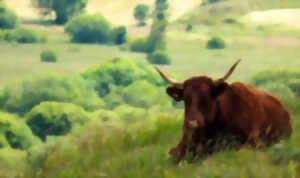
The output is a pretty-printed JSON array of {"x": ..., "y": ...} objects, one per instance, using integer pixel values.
[{"x": 215, "y": 108}]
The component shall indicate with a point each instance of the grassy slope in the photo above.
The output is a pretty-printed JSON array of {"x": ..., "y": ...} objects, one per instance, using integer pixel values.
[
  {"x": 217, "y": 12},
  {"x": 287, "y": 17}
]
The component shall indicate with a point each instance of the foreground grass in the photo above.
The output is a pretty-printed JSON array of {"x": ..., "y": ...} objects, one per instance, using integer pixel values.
[{"x": 102, "y": 151}]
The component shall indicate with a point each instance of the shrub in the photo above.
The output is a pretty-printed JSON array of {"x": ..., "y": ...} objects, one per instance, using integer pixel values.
[
  {"x": 105, "y": 116},
  {"x": 140, "y": 45},
  {"x": 189, "y": 27},
  {"x": 289, "y": 77},
  {"x": 64, "y": 9},
  {"x": 215, "y": 43},
  {"x": 89, "y": 29},
  {"x": 279, "y": 90},
  {"x": 130, "y": 115},
  {"x": 15, "y": 133},
  {"x": 159, "y": 57},
  {"x": 156, "y": 39},
  {"x": 23, "y": 36},
  {"x": 48, "y": 56},
  {"x": 8, "y": 20},
  {"x": 143, "y": 94},
  {"x": 23, "y": 97},
  {"x": 51, "y": 118},
  {"x": 140, "y": 13},
  {"x": 118, "y": 35},
  {"x": 283, "y": 153},
  {"x": 109, "y": 76}
]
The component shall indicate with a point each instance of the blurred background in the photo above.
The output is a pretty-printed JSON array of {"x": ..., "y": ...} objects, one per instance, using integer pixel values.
[{"x": 79, "y": 96}]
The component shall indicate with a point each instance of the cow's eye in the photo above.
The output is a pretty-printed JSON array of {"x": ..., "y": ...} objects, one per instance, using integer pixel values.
[{"x": 175, "y": 95}]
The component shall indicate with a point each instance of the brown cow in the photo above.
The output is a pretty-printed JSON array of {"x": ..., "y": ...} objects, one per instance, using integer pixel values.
[{"x": 214, "y": 108}]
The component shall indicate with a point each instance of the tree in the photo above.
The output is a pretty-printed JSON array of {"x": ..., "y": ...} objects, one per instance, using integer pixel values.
[
  {"x": 64, "y": 9},
  {"x": 141, "y": 12},
  {"x": 156, "y": 40},
  {"x": 161, "y": 6},
  {"x": 8, "y": 19}
]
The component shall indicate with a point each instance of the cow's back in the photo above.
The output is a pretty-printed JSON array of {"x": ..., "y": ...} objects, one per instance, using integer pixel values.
[{"x": 253, "y": 113}]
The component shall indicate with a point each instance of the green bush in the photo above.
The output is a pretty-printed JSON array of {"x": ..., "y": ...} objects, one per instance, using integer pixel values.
[
  {"x": 48, "y": 56},
  {"x": 98, "y": 143},
  {"x": 189, "y": 27},
  {"x": 279, "y": 90},
  {"x": 283, "y": 153},
  {"x": 23, "y": 36},
  {"x": 109, "y": 76},
  {"x": 89, "y": 29},
  {"x": 140, "y": 45},
  {"x": 64, "y": 9},
  {"x": 289, "y": 77},
  {"x": 118, "y": 35},
  {"x": 159, "y": 57},
  {"x": 8, "y": 20},
  {"x": 156, "y": 39},
  {"x": 215, "y": 43},
  {"x": 54, "y": 119},
  {"x": 105, "y": 116},
  {"x": 143, "y": 94},
  {"x": 23, "y": 97},
  {"x": 15, "y": 133},
  {"x": 140, "y": 13}
]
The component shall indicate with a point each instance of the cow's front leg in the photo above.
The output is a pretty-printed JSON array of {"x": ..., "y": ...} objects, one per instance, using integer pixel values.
[{"x": 179, "y": 151}]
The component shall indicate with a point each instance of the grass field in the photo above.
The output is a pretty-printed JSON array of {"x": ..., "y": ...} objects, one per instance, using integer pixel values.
[{"x": 140, "y": 149}]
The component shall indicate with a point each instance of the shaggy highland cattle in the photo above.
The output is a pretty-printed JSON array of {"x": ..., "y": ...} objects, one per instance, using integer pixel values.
[{"x": 214, "y": 108}]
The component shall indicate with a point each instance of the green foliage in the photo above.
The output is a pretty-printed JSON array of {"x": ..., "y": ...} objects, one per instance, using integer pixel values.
[
  {"x": 23, "y": 97},
  {"x": 156, "y": 39},
  {"x": 161, "y": 6},
  {"x": 8, "y": 19},
  {"x": 101, "y": 143},
  {"x": 118, "y": 35},
  {"x": 215, "y": 43},
  {"x": 288, "y": 77},
  {"x": 48, "y": 56},
  {"x": 13, "y": 163},
  {"x": 64, "y": 9},
  {"x": 94, "y": 29},
  {"x": 120, "y": 73},
  {"x": 15, "y": 133},
  {"x": 141, "y": 11},
  {"x": 143, "y": 94},
  {"x": 23, "y": 36},
  {"x": 279, "y": 90},
  {"x": 140, "y": 45},
  {"x": 159, "y": 57},
  {"x": 54, "y": 119},
  {"x": 283, "y": 153},
  {"x": 189, "y": 27},
  {"x": 89, "y": 29},
  {"x": 211, "y": 1}
]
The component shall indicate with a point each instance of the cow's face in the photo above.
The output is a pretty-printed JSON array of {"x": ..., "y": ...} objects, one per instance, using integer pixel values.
[{"x": 199, "y": 95}]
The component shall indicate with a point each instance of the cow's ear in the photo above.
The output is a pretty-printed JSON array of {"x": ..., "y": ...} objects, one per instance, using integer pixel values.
[
  {"x": 175, "y": 92},
  {"x": 219, "y": 89}
]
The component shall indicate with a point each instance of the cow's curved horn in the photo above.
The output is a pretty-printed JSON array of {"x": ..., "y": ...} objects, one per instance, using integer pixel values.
[
  {"x": 227, "y": 75},
  {"x": 168, "y": 80}
]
